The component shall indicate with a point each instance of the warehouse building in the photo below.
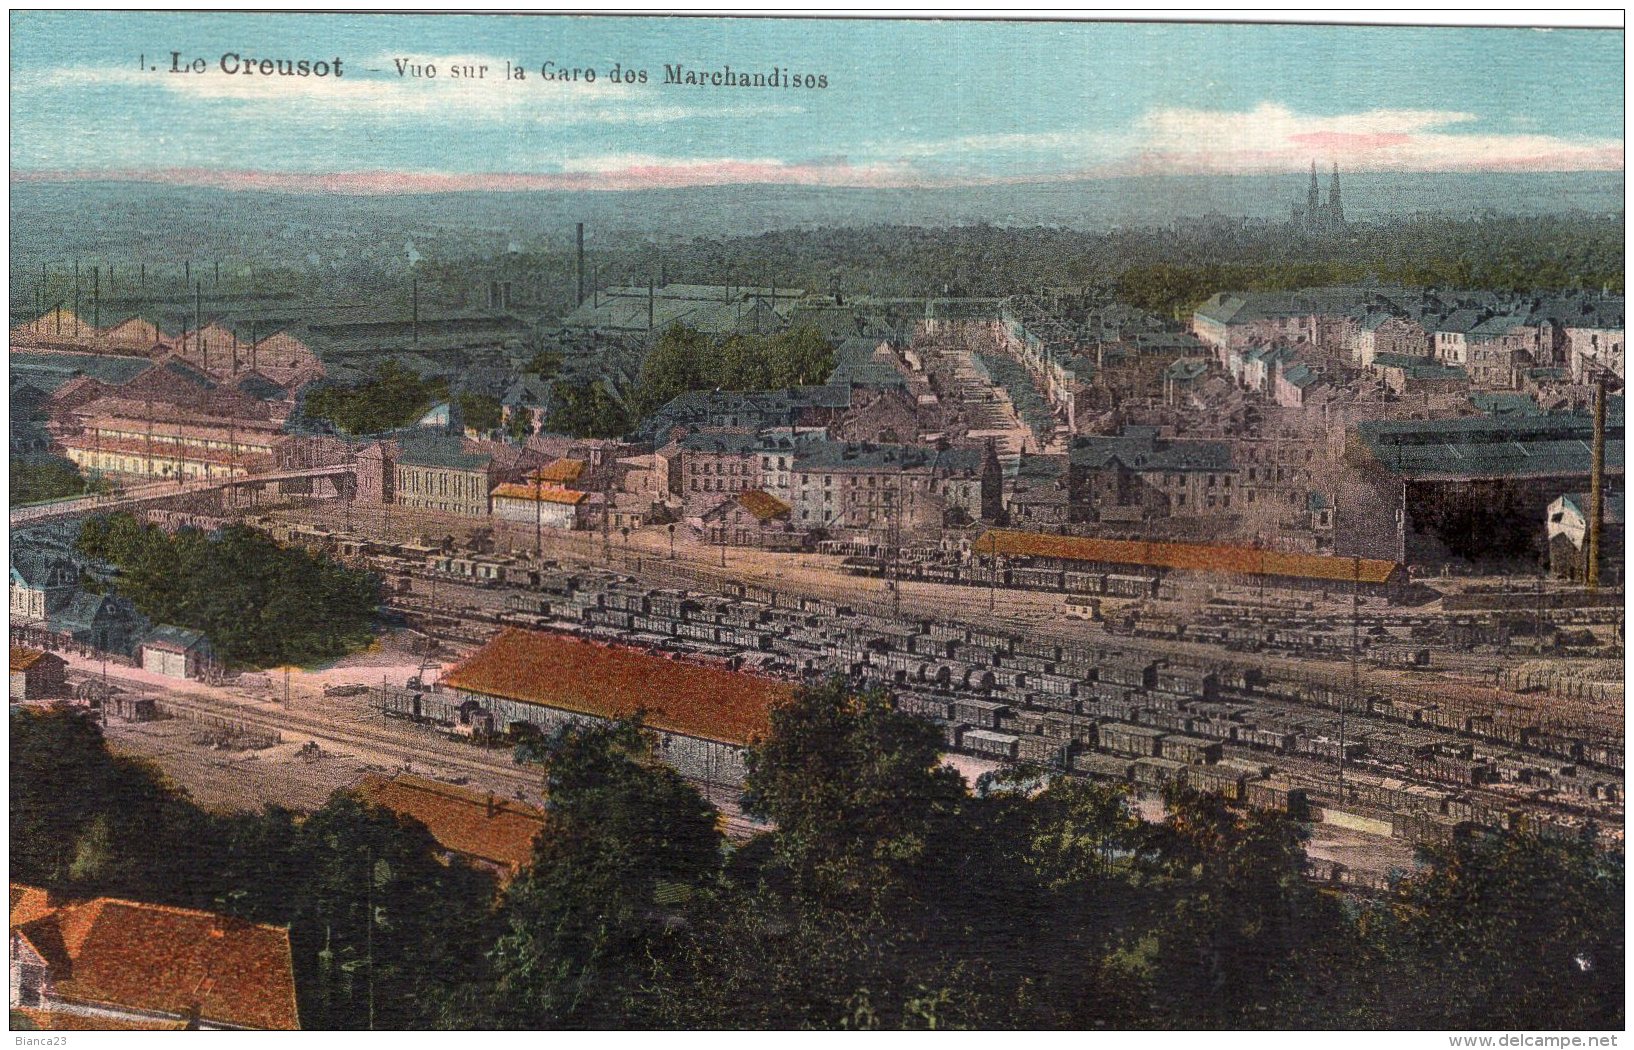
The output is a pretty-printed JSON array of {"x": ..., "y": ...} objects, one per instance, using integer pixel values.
[
  {"x": 1240, "y": 564},
  {"x": 701, "y": 717}
]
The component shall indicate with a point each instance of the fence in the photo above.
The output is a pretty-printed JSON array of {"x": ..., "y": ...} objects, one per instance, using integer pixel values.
[{"x": 245, "y": 736}]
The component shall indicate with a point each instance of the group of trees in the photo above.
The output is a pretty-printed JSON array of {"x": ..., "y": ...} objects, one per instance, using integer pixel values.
[
  {"x": 586, "y": 411},
  {"x": 883, "y": 895},
  {"x": 377, "y": 922},
  {"x": 35, "y": 480},
  {"x": 1176, "y": 289},
  {"x": 393, "y": 397},
  {"x": 480, "y": 412},
  {"x": 259, "y": 604},
  {"x": 684, "y": 359}
]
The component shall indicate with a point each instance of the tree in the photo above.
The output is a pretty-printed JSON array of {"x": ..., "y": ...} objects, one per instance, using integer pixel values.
[
  {"x": 393, "y": 397},
  {"x": 586, "y": 411},
  {"x": 857, "y": 790},
  {"x": 378, "y": 922},
  {"x": 628, "y": 842},
  {"x": 1236, "y": 915},
  {"x": 480, "y": 412},
  {"x": 1507, "y": 931},
  {"x": 259, "y": 604},
  {"x": 520, "y": 424},
  {"x": 87, "y": 822}
]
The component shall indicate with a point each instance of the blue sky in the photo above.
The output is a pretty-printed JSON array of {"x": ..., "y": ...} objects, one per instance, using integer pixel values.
[{"x": 907, "y": 103}]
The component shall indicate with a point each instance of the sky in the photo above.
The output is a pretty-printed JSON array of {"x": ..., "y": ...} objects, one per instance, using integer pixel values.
[{"x": 906, "y": 103}]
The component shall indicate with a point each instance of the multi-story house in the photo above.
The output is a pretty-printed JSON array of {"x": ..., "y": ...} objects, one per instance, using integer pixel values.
[
  {"x": 1137, "y": 475},
  {"x": 715, "y": 467},
  {"x": 437, "y": 473}
]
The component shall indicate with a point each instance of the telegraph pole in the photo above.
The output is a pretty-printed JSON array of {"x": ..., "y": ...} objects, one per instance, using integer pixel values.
[
  {"x": 1355, "y": 658},
  {"x": 1597, "y": 483}
]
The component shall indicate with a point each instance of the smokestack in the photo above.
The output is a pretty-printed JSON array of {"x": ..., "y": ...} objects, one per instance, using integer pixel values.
[
  {"x": 414, "y": 300},
  {"x": 76, "y": 298},
  {"x": 1597, "y": 483},
  {"x": 96, "y": 296},
  {"x": 595, "y": 286},
  {"x": 650, "y": 293},
  {"x": 579, "y": 301}
]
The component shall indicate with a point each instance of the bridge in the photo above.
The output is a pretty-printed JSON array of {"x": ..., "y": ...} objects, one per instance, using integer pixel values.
[{"x": 126, "y": 499}]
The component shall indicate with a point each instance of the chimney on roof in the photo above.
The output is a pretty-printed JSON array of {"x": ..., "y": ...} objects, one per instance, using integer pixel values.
[{"x": 493, "y": 806}]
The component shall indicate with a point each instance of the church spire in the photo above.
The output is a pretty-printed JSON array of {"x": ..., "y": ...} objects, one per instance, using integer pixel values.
[{"x": 1313, "y": 197}]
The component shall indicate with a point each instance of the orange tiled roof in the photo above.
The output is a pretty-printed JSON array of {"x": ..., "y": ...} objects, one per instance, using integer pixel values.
[
  {"x": 611, "y": 682},
  {"x": 762, "y": 504},
  {"x": 28, "y": 903},
  {"x": 543, "y": 493},
  {"x": 561, "y": 471},
  {"x": 472, "y": 823},
  {"x": 153, "y": 957},
  {"x": 22, "y": 657},
  {"x": 1190, "y": 557},
  {"x": 63, "y": 1021}
]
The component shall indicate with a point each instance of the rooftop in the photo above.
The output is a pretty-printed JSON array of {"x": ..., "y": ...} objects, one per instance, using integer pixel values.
[
  {"x": 605, "y": 681},
  {"x": 152, "y": 957},
  {"x": 542, "y": 493},
  {"x": 763, "y": 505},
  {"x": 472, "y": 823},
  {"x": 1188, "y": 557}
]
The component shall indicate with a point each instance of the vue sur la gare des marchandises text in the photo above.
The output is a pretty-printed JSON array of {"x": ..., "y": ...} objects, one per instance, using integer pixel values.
[{"x": 234, "y": 63}]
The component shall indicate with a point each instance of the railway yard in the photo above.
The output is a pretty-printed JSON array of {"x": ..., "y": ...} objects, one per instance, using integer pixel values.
[
  {"x": 1410, "y": 725},
  {"x": 1376, "y": 745}
]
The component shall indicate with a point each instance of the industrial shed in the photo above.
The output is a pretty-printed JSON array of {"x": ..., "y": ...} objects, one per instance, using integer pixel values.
[
  {"x": 1249, "y": 564},
  {"x": 702, "y": 717}
]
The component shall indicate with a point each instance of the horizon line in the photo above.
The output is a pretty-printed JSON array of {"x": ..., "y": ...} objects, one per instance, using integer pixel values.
[{"x": 381, "y": 182}]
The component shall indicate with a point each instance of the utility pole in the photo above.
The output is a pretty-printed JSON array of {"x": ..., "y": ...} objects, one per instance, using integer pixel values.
[
  {"x": 538, "y": 514},
  {"x": 1355, "y": 658},
  {"x": 993, "y": 572},
  {"x": 1597, "y": 483}
]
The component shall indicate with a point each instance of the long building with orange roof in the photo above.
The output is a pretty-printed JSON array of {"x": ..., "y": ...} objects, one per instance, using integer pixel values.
[
  {"x": 1232, "y": 563},
  {"x": 702, "y": 717}
]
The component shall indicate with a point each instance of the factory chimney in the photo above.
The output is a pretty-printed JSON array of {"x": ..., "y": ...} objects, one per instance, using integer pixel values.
[
  {"x": 414, "y": 307},
  {"x": 579, "y": 300},
  {"x": 650, "y": 293}
]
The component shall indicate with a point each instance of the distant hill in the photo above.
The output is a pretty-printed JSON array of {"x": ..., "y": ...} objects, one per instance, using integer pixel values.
[{"x": 54, "y": 221}]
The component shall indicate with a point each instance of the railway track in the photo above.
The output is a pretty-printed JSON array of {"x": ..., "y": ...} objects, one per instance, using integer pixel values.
[{"x": 359, "y": 731}]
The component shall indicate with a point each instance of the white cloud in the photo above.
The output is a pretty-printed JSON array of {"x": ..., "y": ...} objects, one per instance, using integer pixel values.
[{"x": 1269, "y": 138}]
